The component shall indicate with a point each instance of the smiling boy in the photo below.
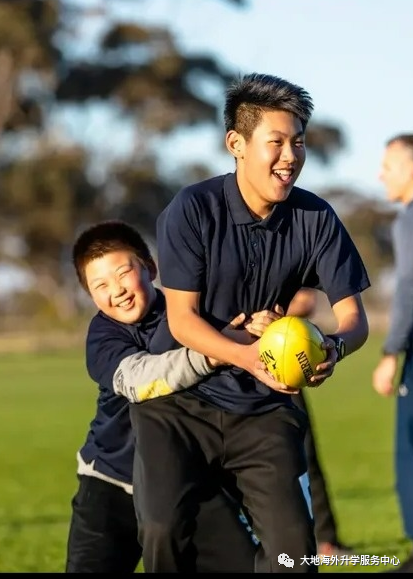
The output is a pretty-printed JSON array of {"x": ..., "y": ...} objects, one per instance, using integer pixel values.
[
  {"x": 115, "y": 267},
  {"x": 243, "y": 242}
]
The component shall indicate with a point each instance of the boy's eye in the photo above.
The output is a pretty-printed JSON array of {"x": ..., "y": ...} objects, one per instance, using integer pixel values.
[{"x": 125, "y": 272}]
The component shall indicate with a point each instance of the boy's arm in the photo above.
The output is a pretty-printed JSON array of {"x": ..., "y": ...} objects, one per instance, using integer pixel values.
[
  {"x": 142, "y": 376},
  {"x": 190, "y": 329},
  {"x": 119, "y": 364}
]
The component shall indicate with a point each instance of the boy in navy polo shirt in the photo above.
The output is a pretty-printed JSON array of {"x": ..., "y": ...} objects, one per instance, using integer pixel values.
[
  {"x": 244, "y": 242},
  {"x": 114, "y": 266}
]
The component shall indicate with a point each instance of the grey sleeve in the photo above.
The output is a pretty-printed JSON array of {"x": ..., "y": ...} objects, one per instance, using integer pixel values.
[
  {"x": 143, "y": 376},
  {"x": 401, "y": 321}
]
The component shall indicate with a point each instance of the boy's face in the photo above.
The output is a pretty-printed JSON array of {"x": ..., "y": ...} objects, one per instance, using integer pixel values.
[
  {"x": 269, "y": 163},
  {"x": 120, "y": 286}
]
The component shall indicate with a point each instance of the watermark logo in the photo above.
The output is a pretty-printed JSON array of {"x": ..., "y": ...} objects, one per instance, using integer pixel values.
[
  {"x": 284, "y": 559},
  {"x": 345, "y": 560}
]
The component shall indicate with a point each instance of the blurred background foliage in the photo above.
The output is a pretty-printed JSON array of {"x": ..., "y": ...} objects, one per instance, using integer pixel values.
[{"x": 51, "y": 186}]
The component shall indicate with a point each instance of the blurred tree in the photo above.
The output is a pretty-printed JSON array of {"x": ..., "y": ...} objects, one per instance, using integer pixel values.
[
  {"x": 369, "y": 221},
  {"x": 50, "y": 184},
  {"x": 6, "y": 85},
  {"x": 47, "y": 186}
]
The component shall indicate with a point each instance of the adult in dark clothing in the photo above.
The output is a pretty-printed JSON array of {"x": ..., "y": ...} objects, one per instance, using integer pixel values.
[{"x": 397, "y": 176}]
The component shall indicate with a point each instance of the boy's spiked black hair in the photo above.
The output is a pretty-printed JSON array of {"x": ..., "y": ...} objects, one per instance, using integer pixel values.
[{"x": 251, "y": 95}]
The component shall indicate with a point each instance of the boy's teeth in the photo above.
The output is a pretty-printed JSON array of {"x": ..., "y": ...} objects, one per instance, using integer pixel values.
[{"x": 283, "y": 175}]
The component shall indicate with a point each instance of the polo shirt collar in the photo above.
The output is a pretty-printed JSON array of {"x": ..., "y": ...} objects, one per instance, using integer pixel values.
[{"x": 240, "y": 213}]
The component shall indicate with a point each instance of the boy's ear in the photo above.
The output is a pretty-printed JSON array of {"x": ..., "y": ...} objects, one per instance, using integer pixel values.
[
  {"x": 235, "y": 144},
  {"x": 153, "y": 270}
]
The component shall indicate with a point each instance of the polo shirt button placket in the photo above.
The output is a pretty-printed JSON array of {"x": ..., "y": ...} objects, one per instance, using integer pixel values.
[{"x": 254, "y": 245}]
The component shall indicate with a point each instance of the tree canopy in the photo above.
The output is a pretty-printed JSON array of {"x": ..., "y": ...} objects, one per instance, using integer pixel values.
[{"x": 49, "y": 184}]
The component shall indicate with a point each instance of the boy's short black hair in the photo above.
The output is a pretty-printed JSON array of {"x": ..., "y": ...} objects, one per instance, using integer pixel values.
[
  {"x": 106, "y": 237},
  {"x": 248, "y": 97}
]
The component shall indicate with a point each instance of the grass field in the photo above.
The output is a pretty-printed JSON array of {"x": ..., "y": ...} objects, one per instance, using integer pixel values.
[{"x": 47, "y": 402}]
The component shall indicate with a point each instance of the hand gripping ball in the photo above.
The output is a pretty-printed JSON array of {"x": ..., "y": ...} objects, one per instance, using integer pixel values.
[{"x": 291, "y": 349}]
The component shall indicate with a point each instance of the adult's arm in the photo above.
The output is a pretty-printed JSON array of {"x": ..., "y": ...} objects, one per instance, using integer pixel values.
[{"x": 401, "y": 316}]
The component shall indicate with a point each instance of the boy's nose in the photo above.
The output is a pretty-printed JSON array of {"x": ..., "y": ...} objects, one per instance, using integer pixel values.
[
  {"x": 287, "y": 153},
  {"x": 117, "y": 289}
]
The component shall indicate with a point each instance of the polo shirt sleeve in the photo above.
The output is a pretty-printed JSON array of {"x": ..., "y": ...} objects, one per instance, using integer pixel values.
[
  {"x": 339, "y": 268},
  {"x": 401, "y": 318},
  {"x": 107, "y": 343},
  {"x": 181, "y": 253}
]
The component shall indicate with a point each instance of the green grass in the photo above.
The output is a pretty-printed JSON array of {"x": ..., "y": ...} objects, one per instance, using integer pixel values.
[
  {"x": 355, "y": 432},
  {"x": 47, "y": 402}
]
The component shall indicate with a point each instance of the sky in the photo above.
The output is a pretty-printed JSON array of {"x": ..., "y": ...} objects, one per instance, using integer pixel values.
[{"x": 351, "y": 55}]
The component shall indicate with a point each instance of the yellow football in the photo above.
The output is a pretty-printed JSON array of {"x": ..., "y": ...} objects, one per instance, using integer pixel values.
[{"x": 291, "y": 349}]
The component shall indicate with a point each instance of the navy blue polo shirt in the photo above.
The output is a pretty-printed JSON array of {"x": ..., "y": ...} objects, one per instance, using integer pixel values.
[
  {"x": 209, "y": 242},
  {"x": 110, "y": 441}
]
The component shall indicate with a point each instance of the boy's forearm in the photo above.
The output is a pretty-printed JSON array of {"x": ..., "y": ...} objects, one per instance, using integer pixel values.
[
  {"x": 143, "y": 376},
  {"x": 354, "y": 336}
]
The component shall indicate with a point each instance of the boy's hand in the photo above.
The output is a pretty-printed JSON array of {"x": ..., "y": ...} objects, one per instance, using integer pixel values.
[
  {"x": 234, "y": 331},
  {"x": 258, "y": 321},
  {"x": 247, "y": 333},
  {"x": 325, "y": 369},
  {"x": 250, "y": 361}
]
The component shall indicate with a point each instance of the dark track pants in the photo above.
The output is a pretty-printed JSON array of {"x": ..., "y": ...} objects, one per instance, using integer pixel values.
[
  {"x": 181, "y": 441},
  {"x": 103, "y": 536},
  {"x": 103, "y": 530},
  {"x": 404, "y": 446}
]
